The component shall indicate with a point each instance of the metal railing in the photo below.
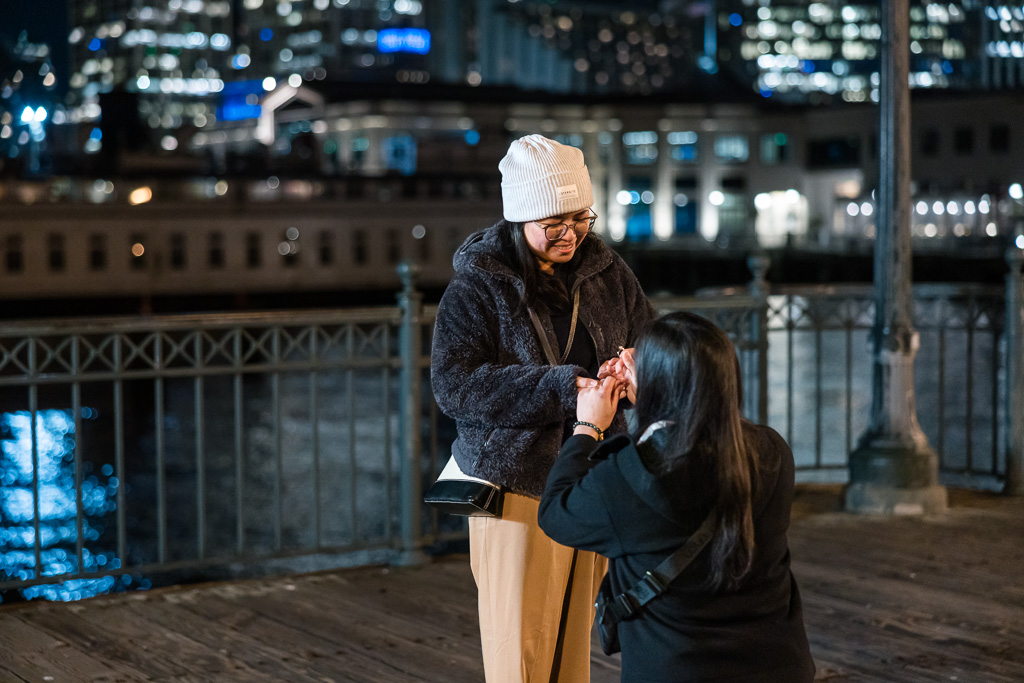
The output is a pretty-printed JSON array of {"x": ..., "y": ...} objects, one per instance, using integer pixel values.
[
  {"x": 136, "y": 447},
  {"x": 179, "y": 443},
  {"x": 819, "y": 374}
]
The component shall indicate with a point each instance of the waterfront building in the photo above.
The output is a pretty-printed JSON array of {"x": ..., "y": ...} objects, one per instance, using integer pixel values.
[{"x": 330, "y": 192}]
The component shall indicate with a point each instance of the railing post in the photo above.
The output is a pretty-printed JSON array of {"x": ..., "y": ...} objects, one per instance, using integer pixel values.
[
  {"x": 411, "y": 303},
  {"x": 1015, "y": 373},
  {"x": 758, "y": 287}
]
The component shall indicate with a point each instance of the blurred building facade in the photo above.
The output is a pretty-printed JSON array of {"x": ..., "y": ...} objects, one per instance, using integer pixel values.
[
  {"x": 28, "y": 98},
  {"x": 819, "y": 51},
  {"x": 188, "y": 63},
  {"x": 339, "y": 191}
]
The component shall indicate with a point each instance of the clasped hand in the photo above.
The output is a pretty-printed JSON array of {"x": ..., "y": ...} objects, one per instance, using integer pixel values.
[{"x": 598, "y": 400}]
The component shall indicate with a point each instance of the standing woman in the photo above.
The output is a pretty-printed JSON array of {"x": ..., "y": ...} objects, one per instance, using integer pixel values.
[
  {"x": 513, "y": 409},
  {"x": 734, "y": 613}
]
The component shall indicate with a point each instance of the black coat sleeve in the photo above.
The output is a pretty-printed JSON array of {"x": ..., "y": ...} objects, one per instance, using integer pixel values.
[
  {"x": 470, "y": 383},
  {"x": 573, "y": 510}
]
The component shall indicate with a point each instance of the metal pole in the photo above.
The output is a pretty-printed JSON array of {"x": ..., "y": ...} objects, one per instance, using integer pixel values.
[
  {"x": 411, "y": 303},
  {"x": 1015, "y": 373},
  {"x": 758, "y": 287},
  {"x": 893, "y": 470}
]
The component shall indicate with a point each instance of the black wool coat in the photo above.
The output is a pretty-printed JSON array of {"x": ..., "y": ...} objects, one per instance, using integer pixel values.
[
  {"x": 488, "y": 370},
  {"x": 603, "y": 498}
]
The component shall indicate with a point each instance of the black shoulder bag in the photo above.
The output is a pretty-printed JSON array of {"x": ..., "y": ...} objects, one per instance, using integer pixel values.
[{"x": 611, "y": 609}]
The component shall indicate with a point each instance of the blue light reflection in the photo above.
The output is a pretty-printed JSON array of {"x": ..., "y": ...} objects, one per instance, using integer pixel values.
[{"x": 57, "y": 506}]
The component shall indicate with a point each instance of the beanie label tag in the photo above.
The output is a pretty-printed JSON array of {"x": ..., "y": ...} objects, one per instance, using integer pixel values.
[{"x": 567, "y": 192}]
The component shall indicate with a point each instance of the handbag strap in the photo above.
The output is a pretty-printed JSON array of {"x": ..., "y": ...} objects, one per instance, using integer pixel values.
[
  {"x": 542, "y": 335},
  {"x": 656, "y": 581}
]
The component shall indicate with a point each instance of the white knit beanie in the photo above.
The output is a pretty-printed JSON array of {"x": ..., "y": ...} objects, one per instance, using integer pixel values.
[{"x": 541, "y": 178}]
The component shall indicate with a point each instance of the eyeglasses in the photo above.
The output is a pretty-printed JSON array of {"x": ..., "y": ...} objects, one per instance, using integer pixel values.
[{"x": 581, "y": 227}]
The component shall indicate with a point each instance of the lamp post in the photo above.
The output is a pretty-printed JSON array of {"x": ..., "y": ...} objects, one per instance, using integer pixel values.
[{"x": 893, "y": 469}]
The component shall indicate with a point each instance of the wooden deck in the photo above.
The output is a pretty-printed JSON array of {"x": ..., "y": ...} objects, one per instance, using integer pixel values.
[{"x": 935, "y": 599}]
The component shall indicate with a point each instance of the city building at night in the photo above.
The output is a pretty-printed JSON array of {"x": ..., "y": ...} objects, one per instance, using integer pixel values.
[
  {"x": 181, "y": 66},
  {"x": 28, "y": 100},
  {"x": 325, "y": 190},
  {"x": 184, "y": 64},
  {"x": 817, "y": 51}
]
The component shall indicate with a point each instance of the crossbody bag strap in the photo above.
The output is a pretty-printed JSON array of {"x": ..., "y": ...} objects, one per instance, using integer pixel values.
[
  {"x": 656, "y": 581},
  {"x": 543, "y": 337}
]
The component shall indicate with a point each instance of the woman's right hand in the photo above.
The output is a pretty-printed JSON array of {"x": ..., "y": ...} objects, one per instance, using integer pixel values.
[{"x": 598, "y": 404}]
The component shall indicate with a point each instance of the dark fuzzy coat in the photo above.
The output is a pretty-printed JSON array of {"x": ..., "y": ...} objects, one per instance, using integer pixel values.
[
  {"x": 603, "y": 498},
  {"x": 488, "y": 369}
]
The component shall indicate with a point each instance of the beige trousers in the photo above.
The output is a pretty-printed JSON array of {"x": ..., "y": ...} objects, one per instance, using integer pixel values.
[{"x": 521, "y": 577}]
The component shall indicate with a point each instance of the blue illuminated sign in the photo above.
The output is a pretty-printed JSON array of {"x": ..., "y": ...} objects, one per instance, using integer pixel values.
[
  {"x": 414, "y": 40},
  {"x": 238, "y": 100}
]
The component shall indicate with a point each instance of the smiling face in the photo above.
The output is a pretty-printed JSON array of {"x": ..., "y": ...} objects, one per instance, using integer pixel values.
[{"x": 562, "y": 250}]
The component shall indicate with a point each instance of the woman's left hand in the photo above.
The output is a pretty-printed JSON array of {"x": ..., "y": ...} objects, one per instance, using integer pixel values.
[{"x": 598, "y": 404}]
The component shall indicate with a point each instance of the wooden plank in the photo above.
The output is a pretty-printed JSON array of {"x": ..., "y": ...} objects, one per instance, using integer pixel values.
[
  {"x": 33, "y": 654},
  {"x": 122, "y": 634},
  {"x": 885, "y": 600},
  {"x": 272, "y": 663},
  {"x": 327, "y": 657},
  {"x": 382, "y": 633}
]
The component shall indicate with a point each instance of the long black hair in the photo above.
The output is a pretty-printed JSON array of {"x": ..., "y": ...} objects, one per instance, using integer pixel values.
[
  {"x": 687, "y": 373},
  {"x": 542, "y": 292}
]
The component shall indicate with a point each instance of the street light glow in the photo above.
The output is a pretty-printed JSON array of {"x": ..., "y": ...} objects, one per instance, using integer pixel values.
[
  {"x": 28, "y": 114},
  {"x": 140, "y": 195},
  {"x": 1016, "y": 191}
]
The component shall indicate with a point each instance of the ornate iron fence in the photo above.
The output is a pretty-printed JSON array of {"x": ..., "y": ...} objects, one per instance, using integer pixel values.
[
  {"x": 819, "y": 374},
  {"x": 215, "y": 444},
  {"x": 178, "y": 444}
]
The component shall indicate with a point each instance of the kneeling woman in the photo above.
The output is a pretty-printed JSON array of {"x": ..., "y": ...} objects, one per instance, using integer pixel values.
[{"x": 734, "y": 613}]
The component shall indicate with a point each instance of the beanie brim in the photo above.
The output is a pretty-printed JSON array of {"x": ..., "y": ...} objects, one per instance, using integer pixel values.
[{"x": 560, "y": 193}]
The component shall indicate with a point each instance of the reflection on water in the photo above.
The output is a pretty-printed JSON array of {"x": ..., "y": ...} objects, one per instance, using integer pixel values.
[{"x": 58, "y": 508}]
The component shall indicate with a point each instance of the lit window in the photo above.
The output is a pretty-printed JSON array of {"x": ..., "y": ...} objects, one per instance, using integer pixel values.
[
  {"x": 732, "y": 148},
  {"x": 683, "y": 146},
  {"x": 641, "y": 147},
  {"x": 138, "y": 252},
  {"x": 775, "y": 148}
]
